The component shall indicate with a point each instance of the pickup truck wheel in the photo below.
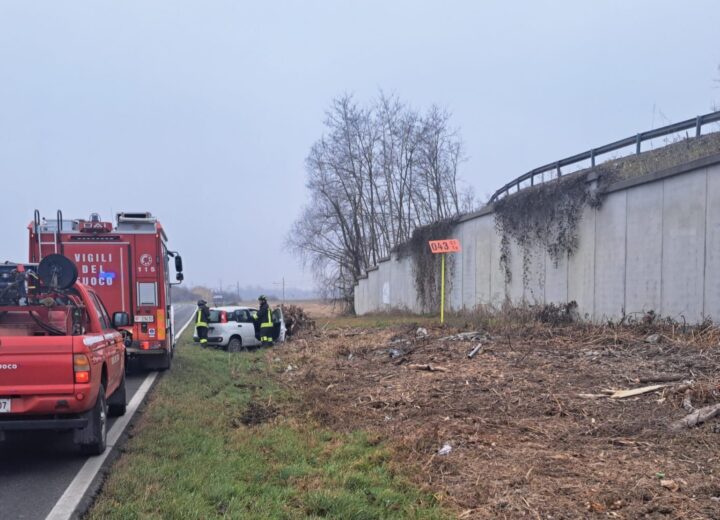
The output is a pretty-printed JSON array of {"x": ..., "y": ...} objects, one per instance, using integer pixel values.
[
  {"x": 234, "y": 345},
  {"x": 98, "y": 426},
  {"x": 117, "y": 404}
]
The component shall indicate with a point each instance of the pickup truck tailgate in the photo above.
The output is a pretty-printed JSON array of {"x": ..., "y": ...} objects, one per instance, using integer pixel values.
[{"x": 36, "y": 365}]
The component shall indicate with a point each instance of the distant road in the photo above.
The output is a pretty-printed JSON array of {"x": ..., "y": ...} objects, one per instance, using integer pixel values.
[{"x": 36, "y": 468}]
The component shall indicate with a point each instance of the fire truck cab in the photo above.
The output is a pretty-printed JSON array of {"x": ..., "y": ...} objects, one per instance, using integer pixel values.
[{"x": 128, "y": 266}]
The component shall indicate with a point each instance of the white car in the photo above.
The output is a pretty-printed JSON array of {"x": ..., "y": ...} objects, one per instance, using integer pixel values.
[{"x": 233, "y": 327}]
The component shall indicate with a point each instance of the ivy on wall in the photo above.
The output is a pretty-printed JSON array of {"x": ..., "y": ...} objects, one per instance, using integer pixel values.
[
  {"x": 543, "y": 217},
  {"x": 426, "y": 265}
]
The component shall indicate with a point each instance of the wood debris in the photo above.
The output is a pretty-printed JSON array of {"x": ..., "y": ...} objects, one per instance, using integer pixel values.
[
  {"x": 296, "y": 319},
  {"x": 428, "y": 367},
  {"x": 660, "y": 378},
  {"x": 466, "y": 336},
  {"x": 474, "y": 351},
  {"x": 670, "y": 484},
  {"x": 696, "y": 418},
  {"x": 621, "y": 394}
]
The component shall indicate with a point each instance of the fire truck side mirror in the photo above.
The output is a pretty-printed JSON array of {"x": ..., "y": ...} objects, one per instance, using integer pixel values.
[
  {"x": 179, "y": 277},
  {"x": 121, "y": 319},
  {"x": 178, "y": 264}
]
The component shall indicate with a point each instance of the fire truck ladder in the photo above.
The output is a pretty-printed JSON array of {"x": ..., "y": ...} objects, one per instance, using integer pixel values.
[{"x": 56, "y": 242}]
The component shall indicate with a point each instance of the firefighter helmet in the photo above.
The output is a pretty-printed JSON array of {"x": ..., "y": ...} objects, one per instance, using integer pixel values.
[
  {"x": 202, "y": 302},
  {"x": 262, "y": 298}
]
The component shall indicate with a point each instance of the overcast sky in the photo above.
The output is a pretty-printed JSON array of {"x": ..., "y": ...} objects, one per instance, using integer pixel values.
[{"x": 203, "y": 112}]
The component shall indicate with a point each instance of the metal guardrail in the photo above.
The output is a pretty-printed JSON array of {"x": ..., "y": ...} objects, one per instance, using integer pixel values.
[{"x": 592, "y": 154}]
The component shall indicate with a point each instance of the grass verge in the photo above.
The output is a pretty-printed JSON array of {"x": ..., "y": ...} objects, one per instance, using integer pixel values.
[{"x": 219, "y": 440}]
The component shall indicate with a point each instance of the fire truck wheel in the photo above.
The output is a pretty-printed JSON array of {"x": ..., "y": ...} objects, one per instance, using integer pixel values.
[
  {"x": 117, "y": 404},
  {"x": 167, "y": 361},
  {"x": 98, "y": 427},
  {"x": 234, "y": 345}
]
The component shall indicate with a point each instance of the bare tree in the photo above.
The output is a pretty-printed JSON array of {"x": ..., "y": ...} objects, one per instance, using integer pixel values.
[
  {"x": 375, "y": 175},
  {"x": 716, "y": 106}
]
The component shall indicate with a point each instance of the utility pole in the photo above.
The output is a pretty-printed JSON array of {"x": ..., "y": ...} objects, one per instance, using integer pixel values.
[{"x": 283, "y": 288}]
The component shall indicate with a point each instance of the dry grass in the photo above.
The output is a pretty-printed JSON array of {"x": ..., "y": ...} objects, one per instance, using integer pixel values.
[
  {"x": 524, "y": 441},
  {"x": 318, "y": 308},
  {"x": 315, "y": 308},
  {"x": 673, "y": 154}
]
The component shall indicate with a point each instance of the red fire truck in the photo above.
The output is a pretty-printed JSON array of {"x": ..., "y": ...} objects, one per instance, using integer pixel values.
[{"x": 127, "y": 265}]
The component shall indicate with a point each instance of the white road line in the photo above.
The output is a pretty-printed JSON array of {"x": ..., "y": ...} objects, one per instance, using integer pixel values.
[{"x": 68, "y": 502}]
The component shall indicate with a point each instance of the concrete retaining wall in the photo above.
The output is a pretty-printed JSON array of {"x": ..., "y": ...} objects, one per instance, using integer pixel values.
[{"x": 653, "y": 245}]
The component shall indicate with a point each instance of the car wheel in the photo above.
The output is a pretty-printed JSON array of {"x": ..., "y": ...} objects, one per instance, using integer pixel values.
[
  {"x": 117, "y": 404},
  {"x": 98, "y": 426},
  {"x": 234, "y": 345}
]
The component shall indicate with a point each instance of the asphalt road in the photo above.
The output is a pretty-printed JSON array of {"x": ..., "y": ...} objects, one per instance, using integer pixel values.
[{"x": 37, "y": 467}]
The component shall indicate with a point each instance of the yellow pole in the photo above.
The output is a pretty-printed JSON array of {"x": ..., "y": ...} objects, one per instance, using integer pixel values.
[{"x": 442, "y": 291}]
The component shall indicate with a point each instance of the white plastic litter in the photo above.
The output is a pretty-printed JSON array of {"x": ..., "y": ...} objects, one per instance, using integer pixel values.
[{"x": 446, "y": 449}]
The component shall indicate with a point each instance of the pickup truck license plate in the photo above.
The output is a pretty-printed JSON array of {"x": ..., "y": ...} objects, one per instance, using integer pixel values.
[{"x": 4, "y": 405}]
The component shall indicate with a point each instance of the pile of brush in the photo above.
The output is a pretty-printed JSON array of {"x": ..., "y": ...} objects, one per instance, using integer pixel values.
[{"x": 296, "y": 319}]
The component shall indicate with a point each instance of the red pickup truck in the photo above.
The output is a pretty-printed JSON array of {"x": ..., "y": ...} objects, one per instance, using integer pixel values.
[{"x": 62, "y": 361}]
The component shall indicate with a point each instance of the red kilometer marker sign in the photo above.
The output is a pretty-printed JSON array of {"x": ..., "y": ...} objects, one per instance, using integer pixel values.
[{"x": 451, "y": 245}]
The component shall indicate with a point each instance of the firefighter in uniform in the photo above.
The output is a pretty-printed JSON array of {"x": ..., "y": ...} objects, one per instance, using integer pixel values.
[
  {"x": 264, "y": 317},
  {"x": 201, "y": 322}
]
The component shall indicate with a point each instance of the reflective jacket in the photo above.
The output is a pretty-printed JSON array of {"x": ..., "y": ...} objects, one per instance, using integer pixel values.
[
  {"x": 265, "y": 316},
  {"x": 203, "y": 316}
]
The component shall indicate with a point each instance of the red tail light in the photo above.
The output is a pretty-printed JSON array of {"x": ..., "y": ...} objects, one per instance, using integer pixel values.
[{"x": 81, "y": 368}]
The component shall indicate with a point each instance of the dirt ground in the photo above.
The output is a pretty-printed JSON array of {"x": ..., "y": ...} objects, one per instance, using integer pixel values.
[{"x": 530, "y": 426}]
